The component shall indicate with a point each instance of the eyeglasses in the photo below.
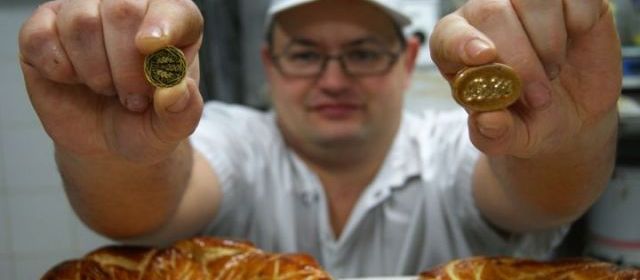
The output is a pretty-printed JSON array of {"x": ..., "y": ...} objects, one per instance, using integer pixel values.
[{"x": 302, "y": 61}]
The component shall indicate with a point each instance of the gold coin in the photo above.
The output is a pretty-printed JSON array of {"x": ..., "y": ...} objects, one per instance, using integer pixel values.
[
  {"x": 165, "y": 67},
  {"x": 487, "y": 88}
]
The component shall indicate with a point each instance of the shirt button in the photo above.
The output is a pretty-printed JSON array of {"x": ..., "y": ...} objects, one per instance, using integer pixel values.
[
  {"x": 377, "y": 194},
  {"x": 307, "y": 198}
]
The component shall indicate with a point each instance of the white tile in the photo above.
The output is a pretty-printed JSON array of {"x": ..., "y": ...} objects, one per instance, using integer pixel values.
[
  {"x": 15, "y": 108},
  {"x": 28, "y": 161},
  {"x": 87, "y": 240},
  {"x": 11, "y": 19},
  {"x": 7, "y": 265},
  {"x": 40, "y": 224},
  {"x": 5, "y": 249},
  {"x": 3, "y": 184},
  {"x": 30, "y": 268}
]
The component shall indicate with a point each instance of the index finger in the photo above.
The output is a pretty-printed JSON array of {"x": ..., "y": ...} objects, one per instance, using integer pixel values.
[
  {"x": 499, "y": 21},
  {"x": 456, "y": 44},
  {"x": 582, "y": 15},
  {"x": 136, "y": 28},
  {"x": 170, "y": 23}
]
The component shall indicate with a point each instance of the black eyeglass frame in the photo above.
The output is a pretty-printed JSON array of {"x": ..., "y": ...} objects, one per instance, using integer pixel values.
[{"x": 343, "y": 65}]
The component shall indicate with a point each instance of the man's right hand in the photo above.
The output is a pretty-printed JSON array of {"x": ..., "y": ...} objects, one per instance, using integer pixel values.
[{"x": 83, "y": 66}]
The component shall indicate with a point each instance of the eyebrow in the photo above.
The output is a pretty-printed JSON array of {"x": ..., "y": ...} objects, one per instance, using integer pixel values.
[
  {"x": 364, "y": 41},
  {"x": 303, "y": 41},
  {"x": 358, "y": 42}
]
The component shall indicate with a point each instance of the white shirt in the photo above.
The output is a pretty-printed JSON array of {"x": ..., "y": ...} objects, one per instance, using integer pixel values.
[{"x": 418, "y": 211}]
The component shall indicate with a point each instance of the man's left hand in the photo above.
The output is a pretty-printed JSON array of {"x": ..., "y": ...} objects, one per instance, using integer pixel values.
[{"x": 567, "y": 55}]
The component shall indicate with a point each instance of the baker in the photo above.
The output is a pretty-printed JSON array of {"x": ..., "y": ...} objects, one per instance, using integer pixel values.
[{"x": 337, "y": 168}]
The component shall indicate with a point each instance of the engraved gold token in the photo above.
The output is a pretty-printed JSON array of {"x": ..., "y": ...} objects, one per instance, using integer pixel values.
[
  {"x": 165, "y": 67},
  {"x": 487, "y": 88}
]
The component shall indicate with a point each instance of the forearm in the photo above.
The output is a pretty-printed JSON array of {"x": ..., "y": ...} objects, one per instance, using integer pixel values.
[
  {"x": 121, "y": 199},
  {"x": 550, "y": 190}
]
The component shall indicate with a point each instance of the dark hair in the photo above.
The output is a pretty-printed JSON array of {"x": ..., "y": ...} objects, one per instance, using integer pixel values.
[{"x": 396, "y": 28}]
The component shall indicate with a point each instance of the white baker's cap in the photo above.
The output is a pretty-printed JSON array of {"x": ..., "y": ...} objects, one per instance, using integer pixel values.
[{"x": 390, "y": 6}]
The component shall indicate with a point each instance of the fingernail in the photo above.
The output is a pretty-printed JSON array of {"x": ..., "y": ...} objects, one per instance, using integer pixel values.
[
  {"x": 489, "y": 131},
  {"x": 475, "y": 47},
  {"x": 152, "y": 38},
  {"x": 538, "y": 95},
  {"x": 137, "y": 102},
  {"x": 180, "y": 104},
  {"x": 553, "y": 71},
  {"x": 153, "y": 32}
]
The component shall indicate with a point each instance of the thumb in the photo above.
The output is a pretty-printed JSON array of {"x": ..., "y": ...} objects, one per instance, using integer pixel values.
[
  {"x": 492, "y": 132},
  {"x": 177, "y": 111}
]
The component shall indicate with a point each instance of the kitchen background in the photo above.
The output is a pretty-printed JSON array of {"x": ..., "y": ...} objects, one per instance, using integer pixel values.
[
  {"x": 38, "y": 229},
  {"x": 37, "y": 226}
]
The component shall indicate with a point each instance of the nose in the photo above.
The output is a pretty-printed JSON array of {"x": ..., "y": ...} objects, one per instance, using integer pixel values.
[{"x": 334, "y": 78}]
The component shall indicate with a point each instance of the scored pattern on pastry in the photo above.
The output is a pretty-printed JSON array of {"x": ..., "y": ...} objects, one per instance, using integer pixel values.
[
  {"x": 507, "y": 268},
  {"x": 197, "y": 258}
]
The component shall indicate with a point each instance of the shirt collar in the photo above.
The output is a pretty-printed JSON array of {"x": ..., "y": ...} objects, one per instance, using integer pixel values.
[{"x": 401, "y": 164}]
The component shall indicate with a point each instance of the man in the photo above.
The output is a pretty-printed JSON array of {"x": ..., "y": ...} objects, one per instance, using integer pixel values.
[{"x": 337, "y": 170}]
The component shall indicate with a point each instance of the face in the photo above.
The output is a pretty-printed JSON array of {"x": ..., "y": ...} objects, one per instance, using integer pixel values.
[{"x": 335, "y": 107}]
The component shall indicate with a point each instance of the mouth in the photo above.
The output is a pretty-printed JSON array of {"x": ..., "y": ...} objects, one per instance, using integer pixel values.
[{"x": 336, "y": 110}]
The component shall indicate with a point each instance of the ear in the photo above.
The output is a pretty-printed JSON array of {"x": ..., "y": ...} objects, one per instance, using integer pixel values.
[
  {"x": 410, "y": 57},
  {"x": 267, "y": 60},
  {"x": 269, "y": 68},
  {"x": 411, "y": 53}
]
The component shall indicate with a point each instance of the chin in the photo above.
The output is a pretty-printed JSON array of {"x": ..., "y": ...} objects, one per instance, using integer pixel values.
[{"x": 340, "y": 136}]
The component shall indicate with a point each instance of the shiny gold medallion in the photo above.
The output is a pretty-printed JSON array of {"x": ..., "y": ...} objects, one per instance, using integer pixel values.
[
  {"x": 165, "y": 67},
  {"x": 487, "y": 88}
]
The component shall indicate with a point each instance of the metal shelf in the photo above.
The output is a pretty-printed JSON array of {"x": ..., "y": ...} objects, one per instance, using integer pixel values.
[
  {"x": 630, "y": 51},
  {"x": 631, "y": 63},
  {"x": 631, "y": 82}
]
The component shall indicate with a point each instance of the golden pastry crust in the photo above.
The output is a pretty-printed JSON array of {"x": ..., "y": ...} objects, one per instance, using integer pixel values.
[
  {"x": 506, "y": 268},
  {"x": 197, "y": 258}
]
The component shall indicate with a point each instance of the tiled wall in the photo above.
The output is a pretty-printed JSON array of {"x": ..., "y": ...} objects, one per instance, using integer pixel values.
[{"x": 37, "y": 227}]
